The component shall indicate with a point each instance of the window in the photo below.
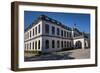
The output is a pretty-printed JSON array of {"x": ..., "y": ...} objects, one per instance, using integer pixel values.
[
  {"x": 57, "y": 31},
  {"x": 74, "y": 34},
  {"x": 70, "y": 34},
  {"x": 25, "y": 46},
  {"x": 33, "y": 32},
  {"x": 67, "y": 34},
  {"x": 30, "y": 33},
  {"x": 35, "y": 44},
  {"x": 53, "y": 44},
  {"x": 61, "y": 32},
  {"x": 53, "y": 30},
  {"x": 46, "y": 28},
  {"x": 30, "y": 45},
  {"x": 38, "y": 28},
  {"x": 62, "y": 44},
  {"x": 68, "y": 44},
  {"x": 64, "y": 33},
  {"x": 39, "y": 44},
  {"x": 47, "y": 44},
  {"x": 58, "y": 44},
  {"x": 65, "y": 44}
]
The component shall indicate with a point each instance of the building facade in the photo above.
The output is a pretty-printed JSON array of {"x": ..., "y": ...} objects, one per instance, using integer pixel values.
[{"x": 47, "y": 35}]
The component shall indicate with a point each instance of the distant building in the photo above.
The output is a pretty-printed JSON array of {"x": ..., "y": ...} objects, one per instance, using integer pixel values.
[{"x": 47, "y": 35}]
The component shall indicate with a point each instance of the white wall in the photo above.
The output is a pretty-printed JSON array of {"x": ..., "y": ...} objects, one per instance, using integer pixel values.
[
  {"x": 33, "y": 27},
  {"x": 35, "y": 40},
  {"x": 56, "y": 26},
  {"x": 5, "y": 38},
  {"x": 81, "y": 40},
  {"x": 50, "y": 43}
]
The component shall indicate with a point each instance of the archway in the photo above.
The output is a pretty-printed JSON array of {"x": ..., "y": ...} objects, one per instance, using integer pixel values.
[
  {"x": 86, "y": 44},
  {"x": 78, "y": 44}
]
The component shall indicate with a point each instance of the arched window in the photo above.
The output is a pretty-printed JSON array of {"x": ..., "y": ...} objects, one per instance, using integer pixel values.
[
  {"x": 30, "y": 45},
  {"x": 38, "y": 28},
  {"x": 39, "y": 44},
  {"x": 53, "y": 44},
  {"x": 47, "y": 44},
  {"x": 27, "y": 45},
  {"x": 35, "y": 30},
  {"x": 68, "y": 44},
  {"x": 35, "y": 44},
  {"x": 58, "y": 44},
  {"x": 65, "y": 44},
  {"x": 62, "y": 44}
]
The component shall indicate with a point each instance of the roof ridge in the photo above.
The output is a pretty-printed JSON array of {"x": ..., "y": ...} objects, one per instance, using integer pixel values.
[{"x": 47, "y": 18}]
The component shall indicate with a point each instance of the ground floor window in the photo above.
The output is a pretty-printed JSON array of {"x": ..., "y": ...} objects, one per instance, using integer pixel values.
[
  {"x": 35, "y": 44},
  {"x": 39, "y": 44},
  {"x": 58, "y": 44},
  {"x": 25, "y": 46},
  {"x": 30, "y": 45},
  {"x": 68, "y": 44},
  {"x": 47, "y": 44},
  {"x": 65, "y": 44},
  {"x": 62, "y": 44},
  {"x": 53, "y": 44}
]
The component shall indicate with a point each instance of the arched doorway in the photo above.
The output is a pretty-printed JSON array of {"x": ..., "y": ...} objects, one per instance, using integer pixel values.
[{"x": 78, "y": 44}]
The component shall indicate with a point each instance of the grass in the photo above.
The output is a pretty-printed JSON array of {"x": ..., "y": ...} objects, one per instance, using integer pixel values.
[{"x": 32, "y": 53}]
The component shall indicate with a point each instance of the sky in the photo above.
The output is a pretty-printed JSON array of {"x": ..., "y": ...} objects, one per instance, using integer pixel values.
[{"x": 81, "y": 20}]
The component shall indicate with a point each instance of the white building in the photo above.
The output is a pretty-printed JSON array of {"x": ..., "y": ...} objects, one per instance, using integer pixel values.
[{"x": 46, "y": 35}]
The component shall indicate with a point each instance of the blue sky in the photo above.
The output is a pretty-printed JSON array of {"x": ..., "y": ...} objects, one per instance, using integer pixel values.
[{"x": 82, "y": 21}]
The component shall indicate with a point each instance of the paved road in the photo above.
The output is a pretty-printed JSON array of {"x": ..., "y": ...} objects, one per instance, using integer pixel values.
[
  {"x": 64, "y": 55},
  {"x": 79, "y": 53}
]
